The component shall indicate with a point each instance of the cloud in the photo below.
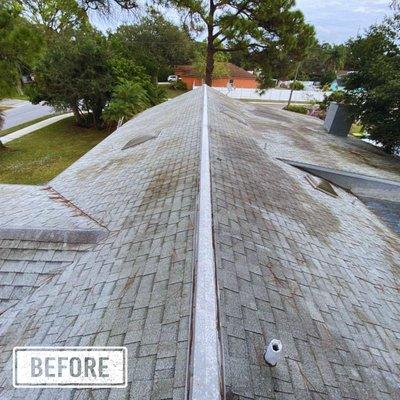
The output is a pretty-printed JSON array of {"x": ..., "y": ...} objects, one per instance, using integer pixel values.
[{"x": 336, "y": 21}]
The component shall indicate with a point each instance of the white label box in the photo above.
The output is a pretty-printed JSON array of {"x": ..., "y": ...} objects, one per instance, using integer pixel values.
[{"x": 73, "y": 367}]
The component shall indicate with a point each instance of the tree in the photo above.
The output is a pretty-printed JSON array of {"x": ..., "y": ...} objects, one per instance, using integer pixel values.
[
  {"x": 283, "y": 58},
  {"x": 220, "y": 63},
  {"x": 129, "y": 98},
  {"x": 55, "y": 15},
  {"x": 19, "y": 45},
  {"x": 79, "y": 72},
  {"x": 373, "y": 90},
  {"x": 154, "y": 43},
  {"x": 262, "y": 25},
  {"x": 74, "y": 74},
  {"x": 323, "y": 62}
]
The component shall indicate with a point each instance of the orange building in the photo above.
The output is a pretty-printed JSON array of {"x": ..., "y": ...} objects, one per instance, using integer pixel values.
[{"x": 238, "y": 76}]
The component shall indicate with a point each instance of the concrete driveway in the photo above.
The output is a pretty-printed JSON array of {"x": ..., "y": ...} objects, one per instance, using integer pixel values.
[{"x": 23, "y": 111}]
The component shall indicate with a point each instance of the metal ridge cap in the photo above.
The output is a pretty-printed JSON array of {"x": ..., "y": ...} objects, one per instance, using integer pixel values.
[{"x": 205, "y": 357}]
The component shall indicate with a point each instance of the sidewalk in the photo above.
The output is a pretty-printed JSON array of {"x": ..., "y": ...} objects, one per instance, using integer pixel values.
[{"x": 29, "y": 129}]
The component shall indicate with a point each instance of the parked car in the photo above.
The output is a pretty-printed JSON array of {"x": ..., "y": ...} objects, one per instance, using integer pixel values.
[{"x": 173, "y": 78}]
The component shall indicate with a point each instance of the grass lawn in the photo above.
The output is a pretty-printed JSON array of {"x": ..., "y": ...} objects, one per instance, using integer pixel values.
[
  {"x": 40, "y": 156},
  {"x": 171, "y": 93},
  {"x": 25, "y": 124}
]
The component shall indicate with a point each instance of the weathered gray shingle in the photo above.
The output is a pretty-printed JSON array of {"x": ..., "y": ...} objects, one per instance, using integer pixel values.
[{"x": 317, "y": 272}]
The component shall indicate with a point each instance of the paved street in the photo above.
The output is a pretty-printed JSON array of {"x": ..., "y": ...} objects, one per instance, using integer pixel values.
[
  {"x": 23, "y": 111},
  {"x": 32, "y": 128}
]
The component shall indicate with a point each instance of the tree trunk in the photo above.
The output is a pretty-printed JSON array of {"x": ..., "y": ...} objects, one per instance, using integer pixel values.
[
  {"x": 210, "y": 64},
  {"x": 97, "y": 113},
  {"x": 78, "y": 116},
  {"x": 210, "y": 45}
]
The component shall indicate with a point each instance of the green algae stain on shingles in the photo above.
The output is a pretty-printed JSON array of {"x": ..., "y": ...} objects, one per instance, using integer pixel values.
[{"x": 274, "y": 189}]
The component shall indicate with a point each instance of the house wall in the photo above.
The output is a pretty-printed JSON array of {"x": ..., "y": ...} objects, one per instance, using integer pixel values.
[
  {"x": 242, "y": 83},
  {"x": 191, "y": 81}
]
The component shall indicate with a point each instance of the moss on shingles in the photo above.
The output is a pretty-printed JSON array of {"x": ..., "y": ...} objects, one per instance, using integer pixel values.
[{"x": 40, "y": 156}]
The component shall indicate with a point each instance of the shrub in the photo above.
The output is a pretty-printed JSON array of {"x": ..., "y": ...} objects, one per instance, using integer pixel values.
[
  {"x": 328, "y": 78},
  {"x": 128, "y": 99},
  {"x": 337, "y": 97},
  {"x": 296, "y": 85},
  {"x": 178, "y": 85},
  {"x": 297, "y": 109},
  {"x": 326, "y": 87}
]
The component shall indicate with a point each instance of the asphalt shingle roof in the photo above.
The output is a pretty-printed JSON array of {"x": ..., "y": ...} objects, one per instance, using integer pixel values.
[{"x": 319, "y": 273}]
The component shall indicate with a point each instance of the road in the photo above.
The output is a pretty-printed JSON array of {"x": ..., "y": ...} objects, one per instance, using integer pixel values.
[{"x": 23, "y": 111}]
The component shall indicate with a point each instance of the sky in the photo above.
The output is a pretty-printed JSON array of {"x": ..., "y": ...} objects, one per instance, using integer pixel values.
[{"x": 335, "y": 21}]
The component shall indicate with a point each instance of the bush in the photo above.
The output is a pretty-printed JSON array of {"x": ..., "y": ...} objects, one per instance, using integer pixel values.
[
  {"x": 326, "y": 87},
  {"x": 328, "y": 78},
  {"x": 296, "y": 85},
  {"x": 128, "y": 99},
  {"x": 337, "y": 97},
  {"x": 178, "y": 85},
  {"x": 297, "y": 109}
]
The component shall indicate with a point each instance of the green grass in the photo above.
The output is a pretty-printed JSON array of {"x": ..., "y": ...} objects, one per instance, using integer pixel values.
[
  {"x": 40, "y": 156},
  {"x": 17, "y": 95},
  {"x": 25, "y": 124},
  {"x": 297, "y": 109},
  {"x": 20, "y": 96},
  {"x": 171, "y": 93}
]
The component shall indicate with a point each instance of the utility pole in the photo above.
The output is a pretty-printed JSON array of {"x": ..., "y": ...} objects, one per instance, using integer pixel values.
[{"x": 294, "y": 82}]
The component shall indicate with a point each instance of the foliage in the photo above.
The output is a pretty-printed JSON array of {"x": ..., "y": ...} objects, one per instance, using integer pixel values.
[
  {"x": 154, "y": 43},
  {"x": 328, "y": 77},
  {"x": 269, "y": 29},
  {"x": 19, "y": 46},
  {"x": 297, "y": 109},
  {"x": 178, "y": 85},
  {"x": 55, "y": 15},
  {"x": 337, "y": 97},
  {"x": 74, "y": 73},
  {"x": 280, "y": 58},
  {"x": 374, "y": 88},
  {"x": 129, "y": 98},
  {"x": 220, "y": 63},
  {"x": 323, "y": 62},
  {"x": 80, "y": 72},
  {"x": 296, "y": 85}
]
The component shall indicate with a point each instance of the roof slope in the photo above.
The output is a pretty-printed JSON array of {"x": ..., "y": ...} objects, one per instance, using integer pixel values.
[
  {"x": 133, "y": 287},
  {"x": 317, "y": 272}
]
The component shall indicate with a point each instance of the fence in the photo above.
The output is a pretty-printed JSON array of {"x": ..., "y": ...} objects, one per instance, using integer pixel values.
[{"x": 278, "y": 95}]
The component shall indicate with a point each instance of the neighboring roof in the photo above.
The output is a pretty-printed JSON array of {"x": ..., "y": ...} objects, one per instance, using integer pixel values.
[
  {"x": 233, "y": 71},
  {"x": 319, "y": 273}
]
